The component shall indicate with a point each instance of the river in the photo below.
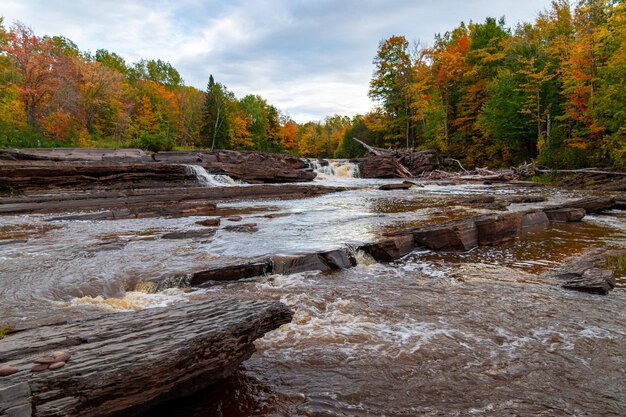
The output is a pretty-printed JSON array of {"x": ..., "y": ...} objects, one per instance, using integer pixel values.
[{"x": 433, "y": 334}]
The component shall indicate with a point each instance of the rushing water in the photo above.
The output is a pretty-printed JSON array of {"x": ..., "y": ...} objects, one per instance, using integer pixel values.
[
  {"x": 435, "y": 334},
  {"x": 334, "y": 169},
  {"x": 209, "y": 180}
]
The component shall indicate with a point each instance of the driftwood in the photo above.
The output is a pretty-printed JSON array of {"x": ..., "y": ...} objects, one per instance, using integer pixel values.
[
  {"x": 122, "y": 362},
  {"x": 522, "y": 172},
  {"x": 387, "y": 163},
  {"x": 581, "y": 171}
]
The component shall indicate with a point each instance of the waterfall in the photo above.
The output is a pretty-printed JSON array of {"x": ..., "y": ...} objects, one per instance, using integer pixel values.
[
  {"x": 209, "y": 180},
  {"x": 334, "y": 168}
]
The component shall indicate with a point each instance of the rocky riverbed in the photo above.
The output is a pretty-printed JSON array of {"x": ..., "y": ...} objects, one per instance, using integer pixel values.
[{"x": 382, "y": 308}]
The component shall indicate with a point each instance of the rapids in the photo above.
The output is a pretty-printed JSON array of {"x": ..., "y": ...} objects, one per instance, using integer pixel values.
[{"x": 436, "y": 334}]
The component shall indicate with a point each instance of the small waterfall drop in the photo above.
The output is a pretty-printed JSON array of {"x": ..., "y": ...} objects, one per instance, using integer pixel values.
[
  {"x": 334, "y": 169},
  {"x": 209, "y": 180}
]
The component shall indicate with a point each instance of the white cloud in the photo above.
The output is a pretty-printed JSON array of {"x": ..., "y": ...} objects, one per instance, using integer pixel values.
[{"x": 308, "y": 58}]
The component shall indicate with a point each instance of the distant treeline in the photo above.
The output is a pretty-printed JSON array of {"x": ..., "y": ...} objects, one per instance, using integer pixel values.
[{"x": 486, "y": 94}]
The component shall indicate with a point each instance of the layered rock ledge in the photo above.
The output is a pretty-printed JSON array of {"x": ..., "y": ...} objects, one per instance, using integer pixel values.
[
  {"x": 118, "y": 204},
  {"x": 122, "y": 363},
  {"x": 458, "y": 235},
  {"x": 134, "y": 168}
]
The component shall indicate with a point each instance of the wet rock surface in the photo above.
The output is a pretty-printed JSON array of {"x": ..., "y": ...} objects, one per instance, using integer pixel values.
[
  {"x": 322, "y": 261},
  {"x": 591, "y": 273},
  {"x": 139, "y": 358},
  {"x": 591, "y": 204},
  {"x": 134, "y": 168},
  {"x": 139, "y": 203},
  {"x": 190, "y": 234},
  {"x": 565, "y": 215},
  {"x": 250, "y": 166},
  {"x": 397, "y": 186}
]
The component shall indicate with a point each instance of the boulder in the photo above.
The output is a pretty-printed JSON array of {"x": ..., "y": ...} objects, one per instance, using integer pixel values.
[{"x": 119, "y": 364}]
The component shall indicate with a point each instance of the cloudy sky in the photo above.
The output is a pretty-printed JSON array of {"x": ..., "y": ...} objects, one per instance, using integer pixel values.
[{"x": 310, "y": 58}]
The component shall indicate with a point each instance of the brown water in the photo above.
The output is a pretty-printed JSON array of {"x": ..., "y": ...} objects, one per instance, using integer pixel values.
[{"x": 434, "y": 334}]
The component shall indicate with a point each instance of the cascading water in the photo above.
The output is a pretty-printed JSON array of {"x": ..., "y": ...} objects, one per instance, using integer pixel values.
[
  {"x": 209, "y": 180},
  {"x": 334, "y": 169}
]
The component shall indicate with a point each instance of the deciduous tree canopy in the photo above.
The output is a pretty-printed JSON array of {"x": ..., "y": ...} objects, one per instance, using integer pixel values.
[{"x": 483, "y": 93}]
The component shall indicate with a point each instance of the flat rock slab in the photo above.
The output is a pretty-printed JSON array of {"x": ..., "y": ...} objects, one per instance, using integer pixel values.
[
  {"x": 593, "y": 272},
  {"x": 190, "y": 234},
  {"x": 317, "y": 261},
  {"x": 591, "y": 204},
  {"x": 194, "y": 201},
  {"x": 122, "y": 362},
  {"x": 390, "y": 249},
  {"x": 397, "y": 186},
  {"x": 565, "y": 215}
]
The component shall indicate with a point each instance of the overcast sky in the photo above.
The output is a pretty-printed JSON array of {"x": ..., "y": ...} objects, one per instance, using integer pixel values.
[{"x": 309, "y": 58}]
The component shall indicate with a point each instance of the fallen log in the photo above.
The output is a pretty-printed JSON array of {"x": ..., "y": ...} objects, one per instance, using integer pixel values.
[
  {"x": 389, "y": 163},
  {"x": 581, "y": 171},
  {"x": 124, "y": 362}
]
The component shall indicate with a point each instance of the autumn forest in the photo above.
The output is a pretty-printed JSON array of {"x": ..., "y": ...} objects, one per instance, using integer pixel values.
[{"x": 487, "y": 94}]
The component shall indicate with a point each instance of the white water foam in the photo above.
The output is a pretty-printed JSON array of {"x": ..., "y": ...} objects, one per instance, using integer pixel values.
[
  {"x": 334, "y": 169},
  {"x": 209, "y": 180}
]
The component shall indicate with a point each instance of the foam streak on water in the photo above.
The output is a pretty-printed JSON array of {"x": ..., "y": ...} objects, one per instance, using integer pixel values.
[{"x": 436, "y": 333}]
